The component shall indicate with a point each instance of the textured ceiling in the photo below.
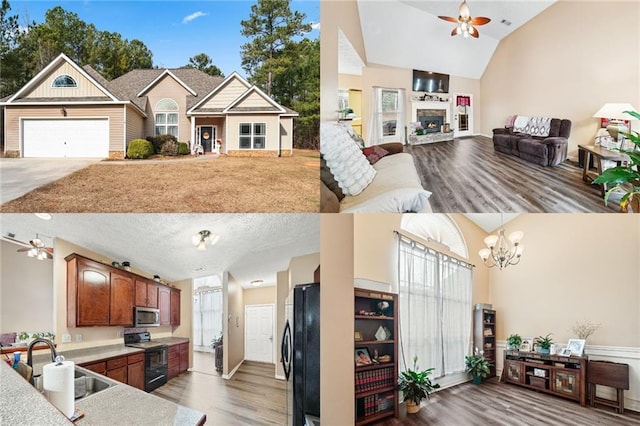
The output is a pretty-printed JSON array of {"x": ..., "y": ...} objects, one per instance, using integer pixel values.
[
  {"x": 409, "y": 34},
  {"x": 251, "y": 246},
  {"x": 491, "y": 221}
]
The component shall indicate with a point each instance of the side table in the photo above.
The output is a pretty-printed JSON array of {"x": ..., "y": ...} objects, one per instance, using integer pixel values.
[{"x": 598, "y": 154}]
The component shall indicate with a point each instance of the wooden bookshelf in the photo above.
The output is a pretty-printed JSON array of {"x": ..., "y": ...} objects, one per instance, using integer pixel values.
[
  {"x": 484, "y": 335},
  {"x": 376, "y": 384}
]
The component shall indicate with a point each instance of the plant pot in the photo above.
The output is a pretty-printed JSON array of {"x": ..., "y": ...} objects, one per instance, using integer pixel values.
[
  {"x": 544, "y": 351},
  {"x": 412, "y": 407},
  {"x": 477, "y": 379}
]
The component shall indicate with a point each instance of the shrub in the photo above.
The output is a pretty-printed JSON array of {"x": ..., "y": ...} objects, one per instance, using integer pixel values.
[
  {"x": 169, "y": 148},
  {"x": 158, "y": 141},
  {"x": 183, "y": 148},
  {"x": 139, "y": 148}
]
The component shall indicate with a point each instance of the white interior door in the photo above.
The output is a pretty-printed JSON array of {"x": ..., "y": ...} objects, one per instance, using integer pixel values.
[
  {"x": 259, "y": 334},
  {"x": 463, "y": 114}
]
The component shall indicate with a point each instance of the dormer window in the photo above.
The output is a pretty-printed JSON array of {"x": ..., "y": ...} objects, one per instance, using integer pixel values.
[{"x": 64, "y": 80}]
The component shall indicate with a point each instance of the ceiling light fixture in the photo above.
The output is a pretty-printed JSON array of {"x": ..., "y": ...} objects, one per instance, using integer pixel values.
[
  {"x": 201, "y": 238},
  {"x": 38, "y": 249},
  {"x": 43, "y": 216},
  {"x": 257, "y": 283},
  {"x": 466, "y": 24},
  {"x": 501, "y": 251}
]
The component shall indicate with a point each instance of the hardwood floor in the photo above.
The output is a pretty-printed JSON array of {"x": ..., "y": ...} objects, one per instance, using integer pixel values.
[
  {"x": 467, "y": 176},
  {"x": 494, "y": 403},
  {"x": 252, "y": 396}
]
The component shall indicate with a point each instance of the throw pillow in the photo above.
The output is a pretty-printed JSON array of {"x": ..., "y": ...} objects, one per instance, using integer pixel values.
[
  {"x": 374, "y": 153},
  {"x": 349, "y": 167}
]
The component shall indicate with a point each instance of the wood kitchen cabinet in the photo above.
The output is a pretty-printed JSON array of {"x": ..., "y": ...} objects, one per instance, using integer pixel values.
[
  {"x": 117, "y": 369},
  {"x": 184, "y": 357},
  {"x": 146, "y": 293},
  {"x": 122, "y": 297},
  {"x": 175, "y": 306},
  {"x": 88, "y": 292},
  {"x": 135, "y": 371},
  {"x": 173, "y": 361},
  {"x": 164, "y": 304}
]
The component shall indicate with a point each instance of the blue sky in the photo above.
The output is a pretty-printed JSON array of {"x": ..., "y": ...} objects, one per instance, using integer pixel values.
[{"x": 173, "y": 30}]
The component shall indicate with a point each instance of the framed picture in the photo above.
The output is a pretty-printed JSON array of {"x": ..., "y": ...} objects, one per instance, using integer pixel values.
[
  {"x": 362, "y": 357},
  {"x": 358, "y": 336},
  {"x": 565, "y": 352},
  {"x": 527, "y": 344},
  {"x": 576, "y": 346}
]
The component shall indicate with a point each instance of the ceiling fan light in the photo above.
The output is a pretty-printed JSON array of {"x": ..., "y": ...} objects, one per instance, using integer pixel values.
[
  {"x": 472, "y": 30},
  {"x": 32, "y": 253},
  {"x": 458, "y": 30},
  {"x": 202, "y": 245},
  {"x": 256, "y": 283},
  {"x": 42, "y": 255},
  {"x": 465, "y": 34},
  {"x": 196, "y": 239},
  {"x": 214, "y": 238},
  {"x": 464, "y": 10}
]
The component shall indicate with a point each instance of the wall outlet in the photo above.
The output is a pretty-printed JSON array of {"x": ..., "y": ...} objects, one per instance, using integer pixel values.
[
  {"x": 119, "y": 333},
  {"x": 78, "y": 338},
  {"x": 66, "y": 338}
]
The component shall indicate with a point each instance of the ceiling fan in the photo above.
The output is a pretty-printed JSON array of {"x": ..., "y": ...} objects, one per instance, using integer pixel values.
[
  {"x": 466, "y": 24},
  {"x": 38, "y": 249}
]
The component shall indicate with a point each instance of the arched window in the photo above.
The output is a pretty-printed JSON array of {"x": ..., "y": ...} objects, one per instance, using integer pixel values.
[
  {"x": 64, "y": 80},
  {"x": 167, "y": 117},
  {"x": 436, "y": 227}
]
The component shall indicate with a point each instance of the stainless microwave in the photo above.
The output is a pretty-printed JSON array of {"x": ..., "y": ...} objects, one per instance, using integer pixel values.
[{"x": 146, "y": 317}]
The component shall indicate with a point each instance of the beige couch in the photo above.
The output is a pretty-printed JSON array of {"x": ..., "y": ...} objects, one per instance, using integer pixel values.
[{"x": 396, "y": 187}]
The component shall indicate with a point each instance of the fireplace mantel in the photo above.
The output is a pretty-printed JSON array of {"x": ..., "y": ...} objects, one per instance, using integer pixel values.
[{"x": 445, "y": 106}]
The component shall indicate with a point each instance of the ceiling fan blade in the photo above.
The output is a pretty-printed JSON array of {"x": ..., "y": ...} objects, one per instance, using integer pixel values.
[
  {"x": 448, "y": 18},
  {"x": 480, "y": 20},
  {"x": 23, "y": 249},
  {"x": 475, "y": 34},
  {"x": 49, "y": 250},
  {"x": 454, "y": 32}
]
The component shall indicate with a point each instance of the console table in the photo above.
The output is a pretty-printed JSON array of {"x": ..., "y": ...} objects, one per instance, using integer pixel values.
[
  {"x": 611, "y": 374},
  {"x": 598, "y": 154},
  {"x": 563, "y": 376}
]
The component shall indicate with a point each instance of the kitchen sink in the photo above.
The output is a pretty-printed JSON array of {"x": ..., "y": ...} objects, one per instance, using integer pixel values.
[{"x": 87, "y": 383}]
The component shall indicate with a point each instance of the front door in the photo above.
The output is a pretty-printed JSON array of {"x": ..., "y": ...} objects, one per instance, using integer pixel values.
[
  {"x": 463, "y": 115},
  {"x": 207, "y": 136},
  {"x": 259, "y": 333}
]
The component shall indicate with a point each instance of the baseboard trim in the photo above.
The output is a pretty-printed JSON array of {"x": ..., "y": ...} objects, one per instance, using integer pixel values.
[{"x": 230, "y": 375}]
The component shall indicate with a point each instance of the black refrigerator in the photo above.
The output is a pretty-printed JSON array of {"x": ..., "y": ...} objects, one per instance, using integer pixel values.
[{"x": 301, "y": 354}]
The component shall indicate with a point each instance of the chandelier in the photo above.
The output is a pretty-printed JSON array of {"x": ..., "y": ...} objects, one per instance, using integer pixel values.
[
  {"x": 502, "y": 251},
  {"x": 201, "y": 238}
]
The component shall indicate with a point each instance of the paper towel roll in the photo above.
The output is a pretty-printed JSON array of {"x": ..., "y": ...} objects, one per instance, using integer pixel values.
[{"x": 58, "y": 385}]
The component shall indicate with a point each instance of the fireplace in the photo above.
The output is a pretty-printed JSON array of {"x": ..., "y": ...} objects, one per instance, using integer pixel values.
[{"x": 431, "y": 123}]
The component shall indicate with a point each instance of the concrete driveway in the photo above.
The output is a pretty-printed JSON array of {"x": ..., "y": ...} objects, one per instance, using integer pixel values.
[{"x": 21, "y": 175}]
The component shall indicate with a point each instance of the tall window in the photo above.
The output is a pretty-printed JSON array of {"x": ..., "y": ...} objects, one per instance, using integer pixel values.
[
  {"x": 167, "y": 117},
  {"x": 253, "y": 135},
  {"x": 435, "y": 319},
  {"x": 207, "y": 311},
  {"x": 64, "y": 80},
  {"x": 388, "y": 116}
]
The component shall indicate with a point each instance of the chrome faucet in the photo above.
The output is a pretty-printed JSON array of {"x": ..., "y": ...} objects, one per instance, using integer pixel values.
[{"x": 49, "y": 343}]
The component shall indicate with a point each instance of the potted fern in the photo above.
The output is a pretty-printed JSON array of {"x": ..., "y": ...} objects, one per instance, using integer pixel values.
[
  {"x": 415, "y": 386},
  {"x": 514, "y": 341},
  {"x": 477, "y": 365},
  {"x": 627, "y": 177}
]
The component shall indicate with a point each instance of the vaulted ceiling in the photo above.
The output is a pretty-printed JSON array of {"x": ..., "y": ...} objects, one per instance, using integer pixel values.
[
  {"x": 408, "y": 33},
  {"x": 251, "y": 246}
]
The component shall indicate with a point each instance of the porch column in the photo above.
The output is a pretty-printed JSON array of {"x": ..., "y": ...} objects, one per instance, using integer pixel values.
[{"x": 192, "y": 142}]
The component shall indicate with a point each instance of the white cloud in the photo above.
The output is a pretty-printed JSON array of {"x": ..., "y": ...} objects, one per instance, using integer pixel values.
[
  {"x": 315, "y": 26},
  {"x": 193, "y": 16}
]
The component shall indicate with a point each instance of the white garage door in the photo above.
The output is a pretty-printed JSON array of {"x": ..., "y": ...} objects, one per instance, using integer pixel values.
[{"x": 80, "y": 138}]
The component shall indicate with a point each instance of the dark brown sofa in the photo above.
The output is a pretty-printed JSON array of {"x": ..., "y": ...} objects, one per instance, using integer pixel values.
[{"x": 548, "y": 150}]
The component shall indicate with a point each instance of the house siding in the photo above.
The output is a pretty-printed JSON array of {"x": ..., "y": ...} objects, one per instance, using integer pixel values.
[
  {"x": 135, "y": 125},
  {"x": 167, "y": 87},
  {"x": 233, "y": 135},
  {"x": 229, "y": 93},
  {"x": 254, "y": 100},
  {"x": 114, "y": 113},
  {"x": 286, "y": 136},
  {"x": 44, "y": 90}
]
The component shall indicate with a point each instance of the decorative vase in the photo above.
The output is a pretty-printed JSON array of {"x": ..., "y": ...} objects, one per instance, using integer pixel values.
[
  {"x": 412, "y": 407},
  {"x": 477, "y": 379}
]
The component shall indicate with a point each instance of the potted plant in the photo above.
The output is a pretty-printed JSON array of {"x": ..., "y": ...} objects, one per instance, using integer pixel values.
[
  {"x": 24, "y": 337},
  {"x": 415, "y": 386},
  {"x": 627, "y": 177},
  {"x": 544, "y": 344},
  {"x": 514, "y": 341},
  {"x": 477, "y": 365}
]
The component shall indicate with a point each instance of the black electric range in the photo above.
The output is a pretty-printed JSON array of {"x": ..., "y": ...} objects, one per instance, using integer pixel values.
[{"x": 155, "y": 358}]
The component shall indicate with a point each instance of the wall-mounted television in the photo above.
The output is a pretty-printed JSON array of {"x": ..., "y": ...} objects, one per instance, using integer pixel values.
[{"x": 431, "y": 82}]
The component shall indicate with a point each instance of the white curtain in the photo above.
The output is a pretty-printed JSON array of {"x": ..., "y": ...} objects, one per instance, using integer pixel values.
[
  {"x": 207, "y": 317},
  {"x": 387, "y": 118},
  {"x": 435, "y": 308}
]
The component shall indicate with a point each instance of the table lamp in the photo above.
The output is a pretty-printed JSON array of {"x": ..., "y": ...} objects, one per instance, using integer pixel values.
[{"x": 615, "y": 113}]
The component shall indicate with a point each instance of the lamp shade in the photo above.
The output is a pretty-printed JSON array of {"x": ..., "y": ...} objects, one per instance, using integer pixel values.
[{"x": 615, "y": 111}]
